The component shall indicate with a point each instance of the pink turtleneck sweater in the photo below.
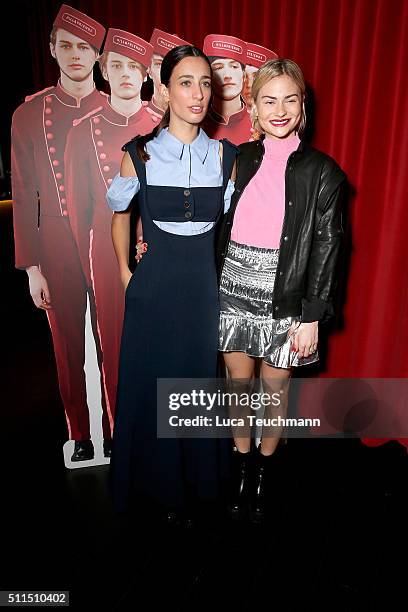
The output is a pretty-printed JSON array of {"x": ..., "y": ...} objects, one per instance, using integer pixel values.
[{"x": 259, "y": 215}]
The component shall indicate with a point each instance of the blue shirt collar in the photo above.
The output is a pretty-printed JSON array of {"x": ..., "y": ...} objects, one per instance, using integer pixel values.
[{"x": 200, "y": 144}]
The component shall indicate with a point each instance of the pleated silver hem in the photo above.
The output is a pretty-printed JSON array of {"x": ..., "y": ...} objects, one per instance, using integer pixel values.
[{"x": 246, "y": 321}]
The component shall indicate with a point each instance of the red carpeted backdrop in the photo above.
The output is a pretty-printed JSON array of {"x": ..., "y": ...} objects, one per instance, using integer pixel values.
[{"x": 354, "y": 54}]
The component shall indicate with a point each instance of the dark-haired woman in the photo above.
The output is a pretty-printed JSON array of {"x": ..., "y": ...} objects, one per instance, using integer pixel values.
[
  {"x": 171, "y": 303},
  {"x": 278, "y": 251}
]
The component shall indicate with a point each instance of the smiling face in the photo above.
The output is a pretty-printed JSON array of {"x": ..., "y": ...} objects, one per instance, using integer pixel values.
[
  {"x": 279, "y": 107},
  {"x": 75, "y": 57},
  {"x": 228, "y": 78},
  {"x": 124, "y": 74},
  {"x": 189, "y": 90}
]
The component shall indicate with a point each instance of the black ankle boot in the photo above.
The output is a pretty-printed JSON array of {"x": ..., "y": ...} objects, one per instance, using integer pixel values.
[
  {"x": 239, "y": 498},
  {"x": 260, "y": 485}
]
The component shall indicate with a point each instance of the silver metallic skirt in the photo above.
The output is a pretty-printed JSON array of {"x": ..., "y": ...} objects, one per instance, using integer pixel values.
[{"x": 246, "y": 321}]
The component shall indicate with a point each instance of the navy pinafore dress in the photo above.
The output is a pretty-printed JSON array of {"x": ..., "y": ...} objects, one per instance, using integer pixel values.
[{"x": 170, "y": 330}]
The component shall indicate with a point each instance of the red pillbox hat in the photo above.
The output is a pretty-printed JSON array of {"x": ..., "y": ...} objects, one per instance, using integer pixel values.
[
  {"x": 129, "y": 45},
  {"x": 257, "y": 55},
  {"x": 220, "y": 45},
  {"x": 163, "y": 42},
  {"x": 80, "y": 25}
]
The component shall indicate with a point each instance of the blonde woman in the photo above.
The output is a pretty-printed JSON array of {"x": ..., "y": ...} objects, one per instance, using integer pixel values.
[{"x": 277, "y": 253}]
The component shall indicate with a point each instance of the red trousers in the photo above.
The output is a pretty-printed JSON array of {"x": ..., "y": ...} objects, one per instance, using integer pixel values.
[
  {"x": 109, "y": 299},
  {"x": 60, "y": 265}
]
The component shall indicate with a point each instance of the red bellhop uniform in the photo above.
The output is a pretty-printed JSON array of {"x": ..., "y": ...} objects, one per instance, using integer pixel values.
[
  {"x": 237, "y": 128},
  {"x": 93, "y": 157},
  {"x": 43, "y": 235}
]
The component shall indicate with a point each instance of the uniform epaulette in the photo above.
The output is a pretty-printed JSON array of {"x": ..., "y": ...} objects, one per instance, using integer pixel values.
[
  {"x": 92, "y": 112},
  {"x": 38, "y": 93},
  {"x": 151, "y": 112}
]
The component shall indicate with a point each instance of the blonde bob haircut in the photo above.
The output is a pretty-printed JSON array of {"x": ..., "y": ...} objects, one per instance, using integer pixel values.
[{"x": 268, "y": 71}]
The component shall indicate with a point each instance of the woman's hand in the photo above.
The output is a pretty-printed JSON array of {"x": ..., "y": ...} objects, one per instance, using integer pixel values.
[
  {"x": 305, "y": 339},
  {"x": 125, "y": 276},
  {"x": 141, "y": 247}
]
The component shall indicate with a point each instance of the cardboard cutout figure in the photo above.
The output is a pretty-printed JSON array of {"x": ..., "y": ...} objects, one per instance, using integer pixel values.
[
  {"x": 162, "y": 43},
  {"x": 93, "y": 158},
  {"x": 255, "y": 57},
  {"x": 44, "y": 244},
  {"x": 227, "y": 116}
]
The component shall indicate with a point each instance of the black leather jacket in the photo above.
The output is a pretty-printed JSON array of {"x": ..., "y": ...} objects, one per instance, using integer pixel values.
[{"x": 311, "y": 234}]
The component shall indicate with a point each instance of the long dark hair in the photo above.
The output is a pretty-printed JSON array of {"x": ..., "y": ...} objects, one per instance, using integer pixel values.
[{"x": 170, "y": 61}]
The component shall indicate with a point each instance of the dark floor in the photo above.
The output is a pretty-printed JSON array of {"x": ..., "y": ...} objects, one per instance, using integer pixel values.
[{"x": 334, "y": 540}]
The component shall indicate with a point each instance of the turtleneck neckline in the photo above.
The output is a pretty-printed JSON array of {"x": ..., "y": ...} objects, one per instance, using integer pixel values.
[{"x": 281, "y": 147}]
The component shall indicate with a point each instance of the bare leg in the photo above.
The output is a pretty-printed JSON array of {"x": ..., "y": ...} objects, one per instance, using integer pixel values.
[
  {"x": 241, "y": 372},
  {"x": 274, "y": 380}
]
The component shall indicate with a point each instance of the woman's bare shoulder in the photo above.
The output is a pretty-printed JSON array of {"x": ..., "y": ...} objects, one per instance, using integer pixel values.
[{"x": 126, "y": 167}]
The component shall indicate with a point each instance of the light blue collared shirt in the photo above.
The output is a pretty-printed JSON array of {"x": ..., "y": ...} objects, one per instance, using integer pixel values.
[{"x": 175, "y": 164}]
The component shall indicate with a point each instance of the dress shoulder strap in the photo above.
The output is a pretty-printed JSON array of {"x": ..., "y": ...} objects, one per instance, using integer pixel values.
[
  {"x": 131, "y": 148},
  {"x": 229, "y": 154}
]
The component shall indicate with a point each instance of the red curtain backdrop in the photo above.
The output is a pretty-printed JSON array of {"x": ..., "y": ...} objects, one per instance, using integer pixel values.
[{"x": 354, "y": 57}]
